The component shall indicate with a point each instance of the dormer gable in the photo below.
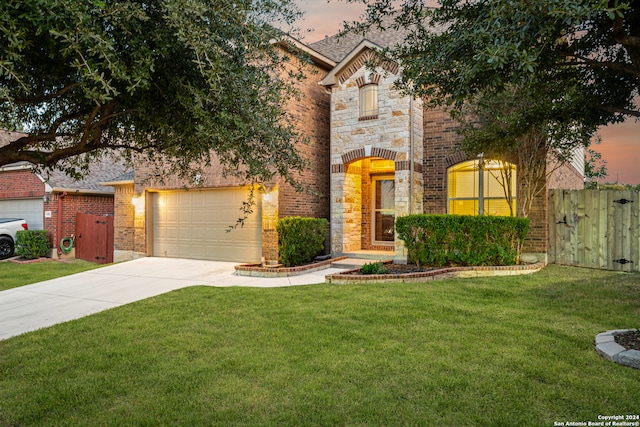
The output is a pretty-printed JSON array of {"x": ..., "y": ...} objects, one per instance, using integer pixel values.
[{"x": 360, "y": 56}]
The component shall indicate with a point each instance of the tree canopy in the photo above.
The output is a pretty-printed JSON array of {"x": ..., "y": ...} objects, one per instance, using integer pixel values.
[
  {"x": 177, "y": 79},
  {"x": 589, "y": 49}
]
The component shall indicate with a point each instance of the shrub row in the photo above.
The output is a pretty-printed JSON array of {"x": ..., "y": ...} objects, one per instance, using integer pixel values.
[
  {"x": 32, "y": 244},
  {"x": 300, "y": 240},
  {"x": 461, "y": 240}
]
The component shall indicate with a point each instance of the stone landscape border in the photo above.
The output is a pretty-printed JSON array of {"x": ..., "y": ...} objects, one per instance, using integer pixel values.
[
  {"x": 607, "y": 347},
  {"x": 348, "y": 277}
]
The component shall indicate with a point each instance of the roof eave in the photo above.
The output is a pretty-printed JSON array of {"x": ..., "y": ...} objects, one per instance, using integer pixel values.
[
  {"x": 331, "y": 78},
  {"x": 315, "y": 56}
]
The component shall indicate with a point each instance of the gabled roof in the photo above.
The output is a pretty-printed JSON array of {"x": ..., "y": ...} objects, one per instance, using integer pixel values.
[
  {"x": 104, "y": 169},
  {"x": 316, "y": 56},
  {"x": 337, "y": 47},
  {"x": 353, "y": 61}
]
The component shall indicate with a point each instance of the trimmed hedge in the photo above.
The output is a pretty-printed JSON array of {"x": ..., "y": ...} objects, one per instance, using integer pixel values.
[
  {"x": 300, "y": 240},
  {"x": 32, "y": 244},
  {"x": 462, "y": 240}
]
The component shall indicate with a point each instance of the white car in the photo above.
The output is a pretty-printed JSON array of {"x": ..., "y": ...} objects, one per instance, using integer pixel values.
[{"x": 8, "y": 229}]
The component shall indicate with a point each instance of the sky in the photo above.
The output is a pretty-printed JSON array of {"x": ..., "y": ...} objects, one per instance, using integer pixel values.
[{"x": 620, "y": 146}]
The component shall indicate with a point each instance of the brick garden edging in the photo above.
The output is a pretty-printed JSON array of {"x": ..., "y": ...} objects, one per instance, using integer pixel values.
[
  {"x": 607, "y": 347},
  {"x": 257, "y": 270},
  {"x": 348, "y": 277}
]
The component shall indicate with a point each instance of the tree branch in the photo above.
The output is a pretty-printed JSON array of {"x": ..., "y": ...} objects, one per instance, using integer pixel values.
[
  {"x": 610, "y": 109},
  {"x": 45, "y": 98},
  {"x": 613, "y": 65}
]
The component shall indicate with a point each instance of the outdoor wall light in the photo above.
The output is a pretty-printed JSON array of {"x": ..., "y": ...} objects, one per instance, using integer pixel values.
[{"x": 138, "y": 203}]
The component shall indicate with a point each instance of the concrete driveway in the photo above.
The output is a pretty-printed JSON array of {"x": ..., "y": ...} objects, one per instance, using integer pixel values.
[{"x": 44, "y": 304}]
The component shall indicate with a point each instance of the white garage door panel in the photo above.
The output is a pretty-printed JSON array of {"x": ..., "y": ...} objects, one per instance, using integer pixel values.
[
  {"x": 31, "y": 210},
  {"x": 193, "y": 224}
]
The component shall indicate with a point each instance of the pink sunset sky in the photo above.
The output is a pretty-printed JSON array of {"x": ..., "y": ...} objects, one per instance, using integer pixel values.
[{"x": 620, "y": 145}]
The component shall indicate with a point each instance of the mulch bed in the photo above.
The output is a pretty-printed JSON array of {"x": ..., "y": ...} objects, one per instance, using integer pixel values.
[
  {"x": 397, "y": 269},
  {"x": 629, "y": 340}
]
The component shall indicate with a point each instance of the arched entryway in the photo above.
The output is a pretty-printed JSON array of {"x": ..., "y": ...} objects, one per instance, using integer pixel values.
[
  {"x": 369, "y": 205},
  {"x": 369, "y": 191}
]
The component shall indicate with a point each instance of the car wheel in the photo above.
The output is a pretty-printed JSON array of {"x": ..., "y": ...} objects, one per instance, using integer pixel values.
[{"x": 6, "y": 247}]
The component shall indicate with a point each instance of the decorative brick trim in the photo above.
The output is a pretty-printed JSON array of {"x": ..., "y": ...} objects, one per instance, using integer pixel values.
[
  {"x": 358, "y": 154},
  {"x": 455, "y": 158},
  {"x": 364, "y": 118},
  {"x": 353, "y": 155},
  {"x": 348, "y": 277},
  {"x": 405, "y": 165},
  {"x": 373, "y": 79},
  {"x": 257, "y": 270},
  {"x": 367, "y": 57},
  {"x": 383, "y": 153}
]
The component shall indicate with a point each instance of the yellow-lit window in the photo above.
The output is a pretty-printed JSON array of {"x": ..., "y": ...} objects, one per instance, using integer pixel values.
[
  {"x": 369, "y": 100},
  {"x": 481, "y": 188}
]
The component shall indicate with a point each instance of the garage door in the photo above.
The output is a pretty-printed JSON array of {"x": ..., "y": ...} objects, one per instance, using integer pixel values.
[
  {"x": 194, "y": 223},
  {"x": 28, "y": 209}
]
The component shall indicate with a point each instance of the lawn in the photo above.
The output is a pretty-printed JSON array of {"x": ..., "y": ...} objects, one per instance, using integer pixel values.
[
  {"x": 13, "y": 274},
  {"x": 459, "y": 352}
]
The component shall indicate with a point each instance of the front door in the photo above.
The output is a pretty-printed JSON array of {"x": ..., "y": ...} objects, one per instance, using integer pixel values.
[{"x": 384, "y": 209}]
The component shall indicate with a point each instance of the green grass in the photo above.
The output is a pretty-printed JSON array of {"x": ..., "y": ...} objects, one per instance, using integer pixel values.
[
  {"x": 460, "y": 352},
  {"x": 13, "y": 274}
]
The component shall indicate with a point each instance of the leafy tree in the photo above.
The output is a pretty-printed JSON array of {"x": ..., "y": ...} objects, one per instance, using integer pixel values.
[
  {"x": 595, "y": 167},
  {"x": 524, "y": 126},
  {"x": 462, "y": 48},
  {"x": 187, "y": 81}
]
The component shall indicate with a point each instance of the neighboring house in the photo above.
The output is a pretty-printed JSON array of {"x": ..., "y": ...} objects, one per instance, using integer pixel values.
[
  {"x": 50, "y": 200},
  {"x": 375, "y": 155}
]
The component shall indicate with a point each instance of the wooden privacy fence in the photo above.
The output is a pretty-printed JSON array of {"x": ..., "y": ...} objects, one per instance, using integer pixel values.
[
  {"x": 595, "y": 228},
  {"x": 94, "y": 238}
]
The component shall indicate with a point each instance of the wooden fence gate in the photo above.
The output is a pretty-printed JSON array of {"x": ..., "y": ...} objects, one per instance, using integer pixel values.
[
  {"x": 595, "y": 228},
  {"x": 94, "y": 238}
]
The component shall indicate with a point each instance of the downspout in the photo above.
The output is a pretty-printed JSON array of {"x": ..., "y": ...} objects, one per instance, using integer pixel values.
[
  {"x": 411, "y": 142},
  {"x": 59, "y": 230}
]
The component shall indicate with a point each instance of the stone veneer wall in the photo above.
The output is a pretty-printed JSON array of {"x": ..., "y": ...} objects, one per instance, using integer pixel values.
[{"x": 387, "y": 136}]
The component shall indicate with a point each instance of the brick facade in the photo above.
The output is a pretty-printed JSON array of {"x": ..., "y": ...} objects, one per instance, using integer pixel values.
[
  {"x": 420, "y": 144},
  {"x": 20, "y": 184},
  {"x": 311, "y": 111},
  {"x": 132, "y": 233},
  {"x": 101, "y": 205},
  {"x": 25, "y": 184},
  {"x": 440, "y": 140}
]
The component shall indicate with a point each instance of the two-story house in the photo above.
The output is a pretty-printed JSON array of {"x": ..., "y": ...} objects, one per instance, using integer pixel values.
[{"x": 374, "y": 153}]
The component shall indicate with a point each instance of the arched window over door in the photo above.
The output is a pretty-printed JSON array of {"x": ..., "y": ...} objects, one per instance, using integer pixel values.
[{"x": 481, "y": 187}]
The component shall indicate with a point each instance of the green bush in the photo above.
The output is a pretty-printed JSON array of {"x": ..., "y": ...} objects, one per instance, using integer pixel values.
[
  {"x": 374, "y": 268},
  {"x": 461, "y": 240},
  {"x": 32, "y": 244},
  {"x": 300, "y": 239}
]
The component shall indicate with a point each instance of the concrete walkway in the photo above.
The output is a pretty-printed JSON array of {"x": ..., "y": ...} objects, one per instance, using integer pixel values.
[{"x": 44, "y": 304}]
